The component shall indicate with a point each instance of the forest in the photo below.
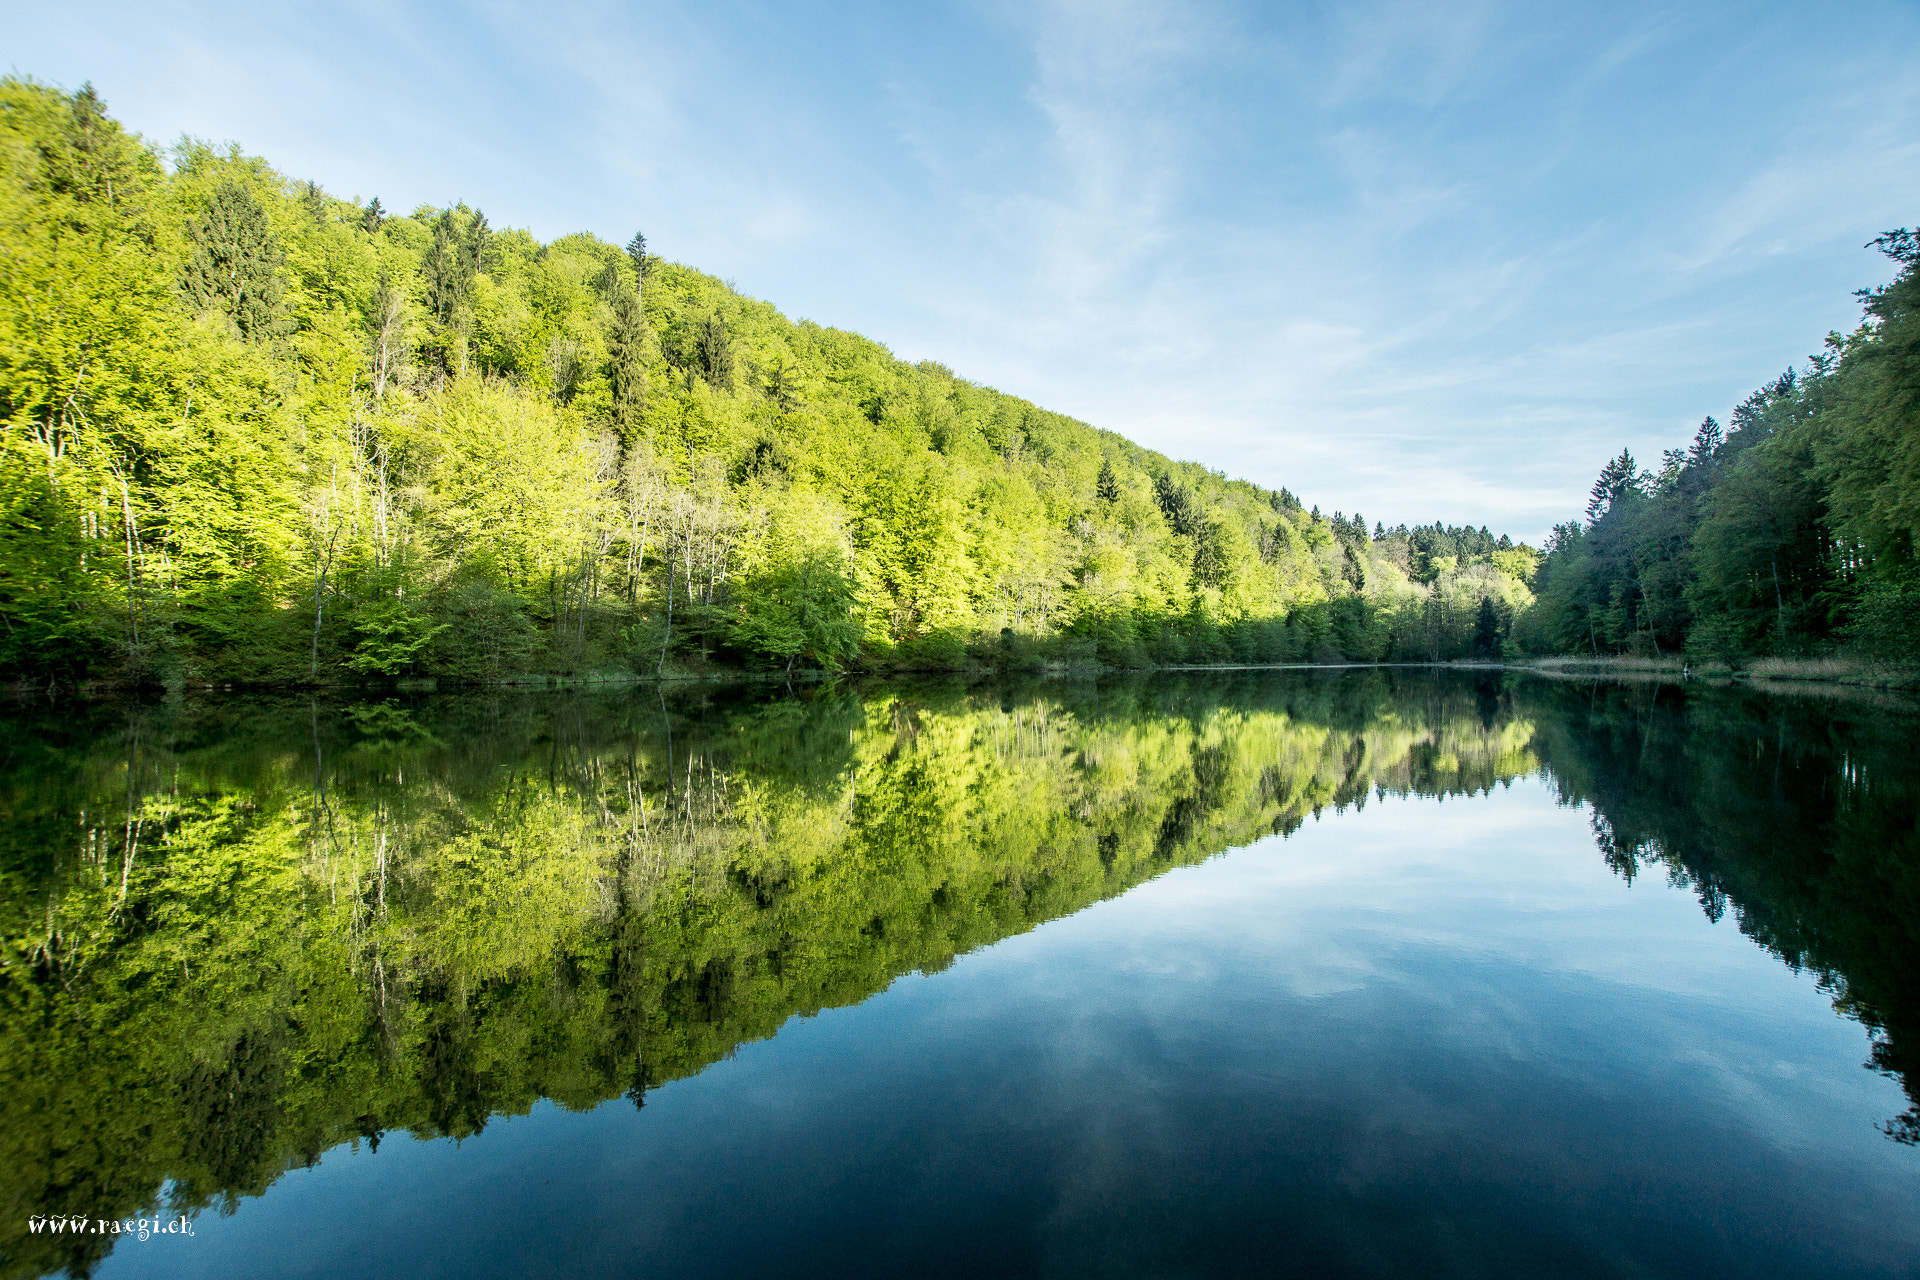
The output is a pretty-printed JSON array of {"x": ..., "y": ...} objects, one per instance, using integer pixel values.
[
  {"x": 1788, "y": 532},
  {"x": 255, "y": 433}
]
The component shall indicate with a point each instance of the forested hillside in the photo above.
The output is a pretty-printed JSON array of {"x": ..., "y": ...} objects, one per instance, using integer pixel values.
[
  {"x": 256, "y": 432},
  {"x": 1791, "y": 531}
]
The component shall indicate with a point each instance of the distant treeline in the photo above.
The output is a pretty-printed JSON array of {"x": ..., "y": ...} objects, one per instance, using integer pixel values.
[
  {"x": 1788, "y": 532},
  {"x": 254, "y": 432}
]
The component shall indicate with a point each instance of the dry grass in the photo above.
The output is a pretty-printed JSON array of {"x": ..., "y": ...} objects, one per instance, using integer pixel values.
[
  {"x": 1674, "y": 665},
  {"x": 1837, "y": 670},
  {"x": 1841, "y": 670}
]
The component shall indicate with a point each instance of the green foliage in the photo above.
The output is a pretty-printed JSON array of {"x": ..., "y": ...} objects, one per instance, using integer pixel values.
[
  {"x": 393, "y": 639},
  {"x": 1791, "y": 532},
  {"x": 235, "y": 261},
  {"x": 713, "y": 353},
  {"x": 244, "y": 419}
]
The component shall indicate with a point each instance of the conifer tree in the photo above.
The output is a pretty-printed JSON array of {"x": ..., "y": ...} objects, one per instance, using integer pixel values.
[
  {"x": 444, "y": 270},
  {"x": 626, "y": 358},
  {"x": 453, "y": 259},
  {"x": 1618, "y": 478},
  {"x": 714, "y": 353},
  {"x": 1107, "y": 487},
  {"x": 372, "y": 216},
  {"x": 783, "y": 387},
  {"x": 642, "y": 262},
  {"x": 235, "y": 264},
  {"x": 1486, "y": 630},
  {"x": 476, "y": 244}
]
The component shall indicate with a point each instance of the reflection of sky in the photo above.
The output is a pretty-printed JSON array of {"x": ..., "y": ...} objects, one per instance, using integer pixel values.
[{"x": 1429, "y": 1038}]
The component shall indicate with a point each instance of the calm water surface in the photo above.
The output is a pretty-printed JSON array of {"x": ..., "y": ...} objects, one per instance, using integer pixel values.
[{"x": 1363, "y": 973}]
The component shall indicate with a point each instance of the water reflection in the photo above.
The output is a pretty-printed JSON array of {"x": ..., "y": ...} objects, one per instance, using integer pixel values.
[{"x": 239, "y": 935}]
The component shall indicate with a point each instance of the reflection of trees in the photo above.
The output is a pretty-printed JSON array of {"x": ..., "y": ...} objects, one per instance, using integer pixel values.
[
  {"x": 1797, "y": 815},
  {"x": 237, "y": 937}
]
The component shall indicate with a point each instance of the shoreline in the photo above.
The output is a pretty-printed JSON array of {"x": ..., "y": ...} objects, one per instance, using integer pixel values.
[{"x": 1770, "y": 674}]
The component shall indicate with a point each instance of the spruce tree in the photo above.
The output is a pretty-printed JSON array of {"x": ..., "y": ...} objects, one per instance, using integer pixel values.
[
  {"x": 235, "y": 262},
  {"x": 626, "y": 359},
  {"x": 1107, "y": 487},
  {"x": 1486, "y": 630},
  {"x": 449, "y": 267},
  {"x": 642, "y": 262},
  {"x": 372, "y": 216},
  {"x": 715, "y": 353},
  {"x": 783, "y": 387},
  {"x": 476, "y": 245},
  {"x": 1618, "y": 478}
]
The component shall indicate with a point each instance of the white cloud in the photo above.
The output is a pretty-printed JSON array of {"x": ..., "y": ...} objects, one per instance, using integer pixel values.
[{"x": 1424, "y": 262}]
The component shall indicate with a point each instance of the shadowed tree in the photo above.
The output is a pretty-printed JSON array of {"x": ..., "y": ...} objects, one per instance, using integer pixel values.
[
  {"x": 235, "y": 263},
  {"x": 1617, "y": 478},
  {"x": 627, "y": 367},
  {"x": 714, "y": 353}
]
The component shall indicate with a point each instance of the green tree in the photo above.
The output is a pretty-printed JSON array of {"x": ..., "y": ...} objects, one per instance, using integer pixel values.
[
  {"x": 627, "y": 364},
  {"x": 713, "y": 352},
  {"x": 234, "y": 266}
]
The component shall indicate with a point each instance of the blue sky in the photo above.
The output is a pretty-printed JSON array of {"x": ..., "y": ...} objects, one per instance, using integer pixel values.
[{"x": 1423, "y": 261}]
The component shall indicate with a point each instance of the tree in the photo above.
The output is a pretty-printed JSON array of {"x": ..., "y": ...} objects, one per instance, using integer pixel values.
[
  {"x": 626, "y": 360},
  {"x": 783, "y": 386},
  {"x": 235, "y": 263},
  {"x": 713, "y": 353},
  {"x": 609, "y": 283},
  {"x": 453, "y": 259},
  {"x": 1107, "y": 487},
  {"x": 643, "y": 261},
  {"x": 802, "y": 610},
  {"x": 1486, "y": 630},
  {"x": 1618, "y": 478}
]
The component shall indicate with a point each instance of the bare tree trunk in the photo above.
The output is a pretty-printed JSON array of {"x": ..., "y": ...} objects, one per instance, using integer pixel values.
[
  {"x": 1779, "y": 600},
  {"x": 668, "y": 639},
  {"x": 320, "y": 571}
]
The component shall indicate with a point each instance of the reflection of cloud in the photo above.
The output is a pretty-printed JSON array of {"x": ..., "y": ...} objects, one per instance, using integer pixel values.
[{"x": 1426, "y": 263}]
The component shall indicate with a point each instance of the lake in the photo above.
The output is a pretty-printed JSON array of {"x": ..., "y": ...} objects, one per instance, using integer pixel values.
[{"x": 1325, "y": 973}]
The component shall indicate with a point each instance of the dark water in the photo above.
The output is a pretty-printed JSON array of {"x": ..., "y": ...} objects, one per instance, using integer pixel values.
[{"x": 1363, "y": 973}]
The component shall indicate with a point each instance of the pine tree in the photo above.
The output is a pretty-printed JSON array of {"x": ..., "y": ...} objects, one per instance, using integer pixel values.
[
  {"x": 316, "y": 202},
  {"x": 372, "y": 216},
  {"x": 235, "y": 263},
  {"x": 1107, "y": 487}
]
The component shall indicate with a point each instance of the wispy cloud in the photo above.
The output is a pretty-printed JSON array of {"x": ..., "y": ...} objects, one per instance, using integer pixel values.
[{"x": 1423, "y": 261}]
